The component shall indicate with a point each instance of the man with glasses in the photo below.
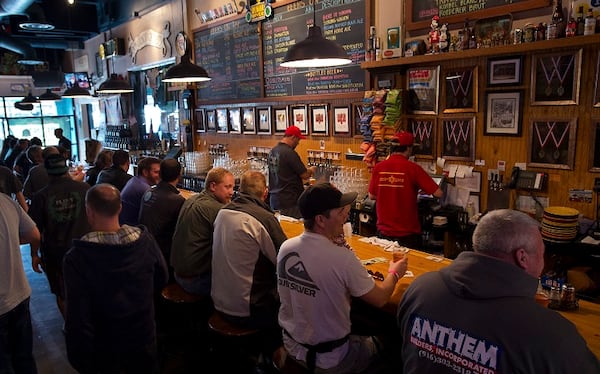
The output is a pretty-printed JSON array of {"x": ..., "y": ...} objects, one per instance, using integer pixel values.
[{"x": 316, "y": 279}]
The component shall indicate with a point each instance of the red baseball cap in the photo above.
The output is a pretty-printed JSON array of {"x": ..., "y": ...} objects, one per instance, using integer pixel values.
[
  {"x": 294, "y": 131},
  {"x": 405, "y": 138}
]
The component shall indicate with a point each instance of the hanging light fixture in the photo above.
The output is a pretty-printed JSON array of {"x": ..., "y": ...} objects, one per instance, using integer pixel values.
[
  {"x": 49, "y": 96},
  {"x": 30, "y": 99},
  {"x": 315, "y": 51},
  {"x": 185, "y": 71},
  {"x": 114, "y": 85}
]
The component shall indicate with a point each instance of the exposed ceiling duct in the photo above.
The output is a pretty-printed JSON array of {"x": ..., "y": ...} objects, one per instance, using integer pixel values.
[{"x": 20, "y": 47}]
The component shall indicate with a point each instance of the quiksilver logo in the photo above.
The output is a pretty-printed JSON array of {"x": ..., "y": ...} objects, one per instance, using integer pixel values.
[{"x": 293, "y": 275}]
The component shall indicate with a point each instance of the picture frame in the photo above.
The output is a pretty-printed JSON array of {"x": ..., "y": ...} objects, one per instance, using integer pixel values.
[
  {"x": 505, "y": 71},
  {"x": 263, "y": 119},
  {"x": 422, "y": 85},
  {"x": 200, "y": 120},
  {"x": 222, "y": 121},
  {"x": 504, "y": 113},
  {"x": 319, "y": 119},
  {"x": 552, "y": 143},
  {"x": 280, "y": 118},
  {"x": 596, "y": 99},
  {"x": 458, "y": 138},
  {"x": 424, "y": 130},
  {"x": 595, "y": 148},
  {"x": 460, "y": 90},
  {"x": 211, "y": 120},
  {"x": 341, "y": 121},
  {"x": 555, "y": 78},
  {"x": 299, "y": 117},
  {"x": 356, "y": 117},
  {"x": 248, "y": 120},
  {"x": 235, "y": 120}
]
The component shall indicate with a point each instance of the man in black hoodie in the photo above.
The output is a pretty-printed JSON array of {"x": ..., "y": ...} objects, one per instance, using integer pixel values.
[{"x": 111, "y": 276}]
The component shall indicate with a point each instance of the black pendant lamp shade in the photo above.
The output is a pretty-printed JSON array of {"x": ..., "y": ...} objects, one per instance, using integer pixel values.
[
  {"x": 23, "y": 106},
  {"x": 185, "y": 71},
  {"x": 75, "y": 91},
  {"x": 315, "y": 51},
  {"x": 49, "y": 96},
  {"x": 115, "y": 85},
  {"x": 29, "y": 99}
]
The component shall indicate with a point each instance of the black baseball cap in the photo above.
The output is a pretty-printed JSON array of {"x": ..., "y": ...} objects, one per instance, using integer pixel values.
[
  {"x": 56, "y": 165},
  {"x": 322, "y": 197}
]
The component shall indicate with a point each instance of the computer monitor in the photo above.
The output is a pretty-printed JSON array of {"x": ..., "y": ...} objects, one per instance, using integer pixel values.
[
  {"x": 440, "y": 180},
  {"x": 174, "y": 152},
  {"x": 79, "y": 77}
]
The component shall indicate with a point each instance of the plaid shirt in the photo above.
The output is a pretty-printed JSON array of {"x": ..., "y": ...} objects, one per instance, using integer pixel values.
[{"x": 125, "y": 235}]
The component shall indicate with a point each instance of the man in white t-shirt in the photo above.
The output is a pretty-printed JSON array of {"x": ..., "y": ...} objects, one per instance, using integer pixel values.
[{"x": 317, "y": 278}]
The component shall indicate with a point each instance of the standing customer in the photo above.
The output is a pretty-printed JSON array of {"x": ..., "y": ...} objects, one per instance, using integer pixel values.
[
  {"x": 395, "y": 184},
  {"x": 111, "y": 277},
  {"x": 286, "y": 173},
  {"x": 103, "y": 160},
  {"x": 16, "y": 335},
  {"x": 245, "y": 244},
  {"x": 116, "y": 174},
  {"x": 317, "y": 278},
  {"x": 136, "y": 187},
  {"x": 63, "y": 142},
  {"x": 11, "y": 185},
  {"x": 59, "y": 213},
  {"x": 38, "y": 175},
  {"x": 493, "y": 323},
  {"x": 191, "y": 251}
]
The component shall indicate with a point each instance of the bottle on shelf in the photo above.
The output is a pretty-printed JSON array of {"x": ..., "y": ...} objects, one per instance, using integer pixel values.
[
  {"x": 580, "y": 21},
  {"x": 558, "y": 19},
  {"x": 466, "y": 33},
  {"x": 589, "y": 27}
]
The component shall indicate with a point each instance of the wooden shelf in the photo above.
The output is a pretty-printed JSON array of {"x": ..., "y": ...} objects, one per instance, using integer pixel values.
[{"x": 544, "y": 45}]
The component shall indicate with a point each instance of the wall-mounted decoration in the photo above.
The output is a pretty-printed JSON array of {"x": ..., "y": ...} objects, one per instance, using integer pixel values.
[
  {"x": 424, "y": 130},
  {"x": 505, "y": 71},
  {"x": 235, "y": 120},
  {"x": 298, "y": 117},
  {"x": 263, "y": 115},
  {"x": 357, "y": 114},
  {"x": 461, "y": 90},
  {"x": 248, "y": 121},
  {"x": 555, "y": 78},
  {"x": 150, "y": 38},
  {"x": 458, "y": 138},
  {"x": 423, "y": 89},
  {"x": 211, "y": 120},
  {"x": 552, "y": 143},
  {"x": 471, "y": 184},
  {"x": 222, "y": 121},
  {"x": 503, "y": 113},
  {"x": 595, "y": 148},
  {"x": 99, "y": 66},
  {"x": 281, "y": 119},
  {"x": 200, "y": 121},
  {"x": 319, "y": 119},
  {"x": 341, "y": 121},
  {"x": 597, "y": 84}
]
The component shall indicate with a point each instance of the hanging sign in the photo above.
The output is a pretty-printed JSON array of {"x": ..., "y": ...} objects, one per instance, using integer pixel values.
[
  {"x": 259, "y": 11},
  {"x": 150, "y": 38}
]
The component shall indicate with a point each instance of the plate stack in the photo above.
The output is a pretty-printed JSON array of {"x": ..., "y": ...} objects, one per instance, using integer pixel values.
[{"x": 559, "y": 224}]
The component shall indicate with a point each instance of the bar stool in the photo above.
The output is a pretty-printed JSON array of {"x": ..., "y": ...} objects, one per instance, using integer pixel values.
[{"x": 233, "y": 345}]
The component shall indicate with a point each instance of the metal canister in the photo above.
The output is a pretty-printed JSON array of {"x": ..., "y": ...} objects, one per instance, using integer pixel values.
[
  {"x": 517, "y": 36},
  {"x": 567, "y": 297},
  {"x": 529, "y": 33}
]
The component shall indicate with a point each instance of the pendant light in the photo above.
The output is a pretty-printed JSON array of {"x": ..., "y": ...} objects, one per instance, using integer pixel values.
[
  {"x": 49, "y": 96},
  {"x": 115, "y": 85},
  {"x": 315, "y": 51},
  {"x": 30, "y": 99}
]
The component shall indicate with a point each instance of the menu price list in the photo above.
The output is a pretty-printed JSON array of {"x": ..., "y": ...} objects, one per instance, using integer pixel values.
[
  {"x": 342, "y": 21},
  {"x": 230, "y": 55}
]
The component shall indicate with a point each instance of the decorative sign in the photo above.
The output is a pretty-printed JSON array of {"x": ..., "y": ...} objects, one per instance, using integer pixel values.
[
  {"x": 259, "y": 11},
  {"x": 150, "y": 38}
]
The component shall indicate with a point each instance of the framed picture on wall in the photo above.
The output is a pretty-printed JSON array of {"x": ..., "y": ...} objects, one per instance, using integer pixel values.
[
  {"x": 595, "y": 148},
  {"x": 555, "y": 78},
  {"x": 211, "y": 120},
  {"x": 504, "y": 71},
  {"x": 552, "y": 143},
  {"x": 248, "y": 121},
  {"x": 356, "y": 117},
  {"x": 263, "y": 118},
  {"x": 341, "y": 121},
  {"x": 280, "y": 117},
  {"x": 460, "y": 90},
  {"x": 458, "y": 138},
  {"x": 235, "y": 120},
  {"x": 298, "y": 117},
  {"x": 424, "y": 130},
  {"x": 200, "y": 121},
  {"x": 423, "y": 89},
  {"x": 319, "y": 119},
  {"x": 222, "y": 121},
  {"x": 596, "y": 102},
  {"x": 503, "y": 113}
]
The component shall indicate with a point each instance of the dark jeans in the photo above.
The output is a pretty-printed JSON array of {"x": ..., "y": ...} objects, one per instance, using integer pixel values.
[{"x": 16, "y": 341}]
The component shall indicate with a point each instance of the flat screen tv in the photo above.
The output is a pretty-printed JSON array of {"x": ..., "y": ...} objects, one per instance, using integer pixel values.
[{"x": 82, "y": 78}]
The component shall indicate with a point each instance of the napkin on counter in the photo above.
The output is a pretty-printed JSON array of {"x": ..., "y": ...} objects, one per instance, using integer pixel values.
[
  {"x": 388, "y": 245},
  {"x": 374, "y": 260}
]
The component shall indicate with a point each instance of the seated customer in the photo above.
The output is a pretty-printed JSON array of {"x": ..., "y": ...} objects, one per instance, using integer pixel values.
[
  {"x": 136, "y": 187},
  {"x": 116, "y": 174},
  {"x": 246, "y": 240},
  {"x": 316, "y": 280},
  {"x": 480, "y": 312},
  {"x": 111, "y": 276},
  {"x": 103, "y": 160}
]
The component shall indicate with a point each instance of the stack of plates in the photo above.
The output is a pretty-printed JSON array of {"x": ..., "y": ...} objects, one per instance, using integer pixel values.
[{"x": 559, "y": 224}]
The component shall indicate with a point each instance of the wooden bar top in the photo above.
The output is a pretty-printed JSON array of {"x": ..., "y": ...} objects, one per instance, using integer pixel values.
[{"x": 586, "y": 318}]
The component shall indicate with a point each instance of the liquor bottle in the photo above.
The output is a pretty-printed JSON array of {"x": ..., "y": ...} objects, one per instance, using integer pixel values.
[
  {"x": 466, "y": 32},
  {"x": 580, "y": 21},
  {"x": 558, "y": 19},
  {"x": 589, "y": 27}
]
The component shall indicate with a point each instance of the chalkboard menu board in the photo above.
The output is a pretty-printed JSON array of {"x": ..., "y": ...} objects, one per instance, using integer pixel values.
[
  {"x": 229, "y": 53},
  {"x": 420, "y": 12},
  {"x": 341, "y": 21}
]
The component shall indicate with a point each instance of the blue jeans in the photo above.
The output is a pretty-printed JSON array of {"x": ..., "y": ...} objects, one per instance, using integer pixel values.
[
  {"x": 16, "y": 341},
  {"x": 198, "y": 285}
]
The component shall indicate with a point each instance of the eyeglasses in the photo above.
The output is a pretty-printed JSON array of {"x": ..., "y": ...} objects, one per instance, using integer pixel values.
[{"x": 376, "y": 275}]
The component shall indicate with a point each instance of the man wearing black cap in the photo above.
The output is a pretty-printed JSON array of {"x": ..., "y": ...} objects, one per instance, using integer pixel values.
[
  {"x": 58, "y": 210},
  {"x": 317, "y": 277},
  {"x": 395, "y": 184},
  {"x": 286, "y": 173}
]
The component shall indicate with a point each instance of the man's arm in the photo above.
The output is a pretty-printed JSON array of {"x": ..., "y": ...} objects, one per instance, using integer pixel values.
[
  {"x": 381, "y": 293},
  {"x": 310, "y": 171},
  {"x": 21, "y": 201}
]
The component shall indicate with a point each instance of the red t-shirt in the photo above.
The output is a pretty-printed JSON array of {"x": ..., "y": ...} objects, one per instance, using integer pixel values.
[{"x": 395, "y": 183}]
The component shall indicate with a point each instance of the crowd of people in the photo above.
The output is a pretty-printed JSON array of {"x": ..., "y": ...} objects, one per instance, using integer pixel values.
[{"x": 108, "y": 242}]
